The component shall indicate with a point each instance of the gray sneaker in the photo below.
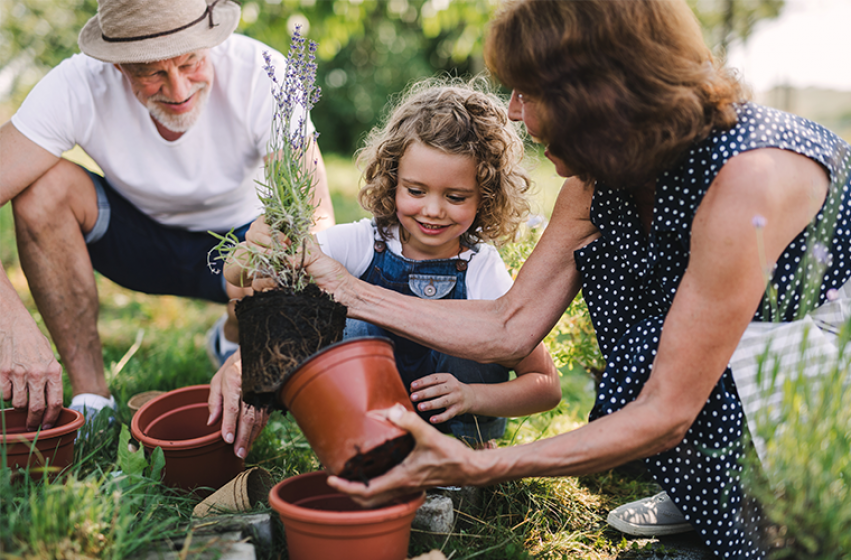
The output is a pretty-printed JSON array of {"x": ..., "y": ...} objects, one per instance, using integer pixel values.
[
  {"x": 214, "y": 336},
  {"x": 655, "y": 516}
]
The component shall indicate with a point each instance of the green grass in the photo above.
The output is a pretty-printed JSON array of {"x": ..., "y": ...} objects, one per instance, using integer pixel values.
[
  {"x": 158, "y": 343},
  {"x": 803, "y": 478}
]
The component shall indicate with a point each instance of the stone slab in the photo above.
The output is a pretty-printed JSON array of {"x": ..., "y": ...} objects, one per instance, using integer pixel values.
[
  {"x": 227, "y": 546},
  {"x": 436, "y": 515},
  {"x": 257, "y": 526}
]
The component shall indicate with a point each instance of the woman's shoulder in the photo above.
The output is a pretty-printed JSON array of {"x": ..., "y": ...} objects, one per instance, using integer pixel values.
[
  {"x": 760, "y": 127},
  {"x": 681, "y": 189}
]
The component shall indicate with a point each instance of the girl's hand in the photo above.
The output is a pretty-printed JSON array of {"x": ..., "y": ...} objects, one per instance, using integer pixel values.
[
  {"x": 443, "y": 390},
  {"x": 437, "y": 460}
]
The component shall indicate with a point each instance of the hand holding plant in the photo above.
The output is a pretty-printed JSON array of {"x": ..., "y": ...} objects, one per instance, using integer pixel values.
[{"x": 322, "y": 270}]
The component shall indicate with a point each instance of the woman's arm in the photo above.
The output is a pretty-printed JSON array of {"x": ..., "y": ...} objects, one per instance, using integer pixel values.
[
  {"x": 535, "y": 389},
  {"x": 504, "y": 330},
  {"x": 717, "y": 298}
]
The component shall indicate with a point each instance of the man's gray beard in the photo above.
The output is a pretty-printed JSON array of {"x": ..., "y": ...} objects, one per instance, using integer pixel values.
[{"x": 184, "y": 121}]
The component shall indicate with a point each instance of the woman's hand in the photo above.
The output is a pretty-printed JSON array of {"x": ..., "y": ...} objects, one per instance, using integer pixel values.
[
  {"x": 436, "y": 460},
  {"x": 442, "y": 390},
  {"x": 241, "y": 422}
]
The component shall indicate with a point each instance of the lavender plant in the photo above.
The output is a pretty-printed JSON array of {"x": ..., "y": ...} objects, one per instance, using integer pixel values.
[
  {"x": 290, "y": 173},
  {"x": 802, "y": 430}
]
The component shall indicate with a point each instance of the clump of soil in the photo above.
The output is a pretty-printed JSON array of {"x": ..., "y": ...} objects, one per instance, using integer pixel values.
[
  {"x": 278, "y": 330},
  {"x": 377, "y": 461}
]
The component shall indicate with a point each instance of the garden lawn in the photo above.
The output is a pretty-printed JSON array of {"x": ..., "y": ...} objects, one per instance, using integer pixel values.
[{"x": 158, "y": 343}]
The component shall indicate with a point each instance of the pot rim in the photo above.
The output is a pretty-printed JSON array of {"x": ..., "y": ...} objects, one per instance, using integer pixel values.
[
  {"x": 75, "y": 424},
  {"x": 408, "y": 506},
  {"x": 318, "y": 355},
  {"x": 142, "y": 437}
]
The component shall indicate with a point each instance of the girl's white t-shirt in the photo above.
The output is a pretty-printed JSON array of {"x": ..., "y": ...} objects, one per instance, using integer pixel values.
[
  {"x": 352, "y": 246},
  {"x": 205, "y": 180}
]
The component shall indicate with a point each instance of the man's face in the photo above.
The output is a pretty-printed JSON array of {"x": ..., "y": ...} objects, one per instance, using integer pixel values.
[{"x": 173, "y": 90}]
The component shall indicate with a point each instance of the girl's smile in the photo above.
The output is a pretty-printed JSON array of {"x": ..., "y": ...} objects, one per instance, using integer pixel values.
[{"x": 437, "y": 197}]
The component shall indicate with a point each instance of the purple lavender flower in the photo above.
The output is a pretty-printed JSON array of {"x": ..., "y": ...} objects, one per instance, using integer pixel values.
[{"x": 822, "y": 254}]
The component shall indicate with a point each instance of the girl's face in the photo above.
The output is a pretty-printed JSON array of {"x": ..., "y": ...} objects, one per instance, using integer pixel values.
[
  {"x": 521, "y": 107},
  {"x": 437, "y": 197}
]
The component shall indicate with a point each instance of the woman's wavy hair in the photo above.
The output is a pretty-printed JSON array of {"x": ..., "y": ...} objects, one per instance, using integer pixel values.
[
  {"x": 623, "y": 88},
  {"x": 455, "y": 117}
]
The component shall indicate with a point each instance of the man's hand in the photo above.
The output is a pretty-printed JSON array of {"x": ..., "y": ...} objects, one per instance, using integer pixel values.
[
  {"x": 437, "y": 460},
  {"x": 241, "y": 423},
  {"x": 442, "y": 390},
  {"x": 30, "y": 376}
]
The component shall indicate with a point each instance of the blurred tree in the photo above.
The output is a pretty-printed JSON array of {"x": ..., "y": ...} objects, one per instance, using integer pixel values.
[
  {"x": 35, "y": 36},
  {"x": 369, "y": 50},
  {"x": 724, "y": 21}
]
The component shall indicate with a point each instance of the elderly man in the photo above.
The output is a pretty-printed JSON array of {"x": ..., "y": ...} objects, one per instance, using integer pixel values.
[{"x": 176, "y": 111}]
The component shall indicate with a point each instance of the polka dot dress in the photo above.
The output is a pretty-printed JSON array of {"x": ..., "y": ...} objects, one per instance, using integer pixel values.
[{"x": 629, "y": 282}]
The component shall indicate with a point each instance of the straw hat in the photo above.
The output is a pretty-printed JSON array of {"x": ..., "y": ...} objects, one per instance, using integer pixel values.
[{"x": 128, "y": 31}]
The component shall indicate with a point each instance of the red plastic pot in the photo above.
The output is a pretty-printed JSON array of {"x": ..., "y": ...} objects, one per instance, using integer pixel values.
[
  {"x": 46, "y": 451},
  {"x": 195, "y": 454},
  {"x": 322, "y": 524},
  {"x": 330, "y": 395}
]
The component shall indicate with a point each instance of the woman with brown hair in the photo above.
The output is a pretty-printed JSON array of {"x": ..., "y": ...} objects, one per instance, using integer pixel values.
[{"x": 681, "y": 201}]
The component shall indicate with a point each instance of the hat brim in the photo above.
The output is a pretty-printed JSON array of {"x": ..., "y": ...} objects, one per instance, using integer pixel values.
[{"x": 199, "y": 36}]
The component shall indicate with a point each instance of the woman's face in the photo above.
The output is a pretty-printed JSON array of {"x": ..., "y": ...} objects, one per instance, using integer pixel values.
[{"x": 521, "y": 107}]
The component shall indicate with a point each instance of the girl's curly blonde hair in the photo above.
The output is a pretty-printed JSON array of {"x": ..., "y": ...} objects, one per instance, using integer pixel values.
[{"x": 456, "y": 117}]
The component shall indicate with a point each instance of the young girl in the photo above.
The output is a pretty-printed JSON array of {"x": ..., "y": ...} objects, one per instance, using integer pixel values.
[{"x": 442, "y": 178}]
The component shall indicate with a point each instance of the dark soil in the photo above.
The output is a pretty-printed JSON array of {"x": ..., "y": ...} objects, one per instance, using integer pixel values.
[
  {"x": 278, "y": 330},
  {"x": 378, "y": 460}
]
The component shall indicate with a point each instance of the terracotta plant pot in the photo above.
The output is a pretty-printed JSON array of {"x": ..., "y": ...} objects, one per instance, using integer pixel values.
[
  {"x": 322, "y": 524},
  {"x": 53, "y": 449},
  {"x": 195, "y": 454},
  {"x": 329, "y": 397}
]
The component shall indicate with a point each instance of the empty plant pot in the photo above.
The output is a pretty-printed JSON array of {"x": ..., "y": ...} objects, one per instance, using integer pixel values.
[
  {"x": 196, "y": 455},
  {"x": 43, "y": 452},
  {"x": 137, "y": 400},
  {"x": 322, "y": 524},
  {"x": 330, "y": 395},
  {"x": 242, "y": 493}
]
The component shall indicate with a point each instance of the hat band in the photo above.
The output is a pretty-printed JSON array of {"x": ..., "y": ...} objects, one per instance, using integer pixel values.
[{"x": 207, "y": 13}]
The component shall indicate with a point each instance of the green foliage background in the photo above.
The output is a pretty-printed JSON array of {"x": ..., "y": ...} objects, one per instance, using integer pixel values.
[{"x": 368, "y": 49}]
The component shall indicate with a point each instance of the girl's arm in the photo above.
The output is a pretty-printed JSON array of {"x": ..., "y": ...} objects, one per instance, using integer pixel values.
[
  {"x": 535, "y": 389},
  {"x": 716, "y": 300}
]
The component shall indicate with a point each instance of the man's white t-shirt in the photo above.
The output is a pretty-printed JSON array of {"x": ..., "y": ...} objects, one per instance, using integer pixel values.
[
  {"x": 205, "y": 180},
  {"x": 352, "y": 245}
]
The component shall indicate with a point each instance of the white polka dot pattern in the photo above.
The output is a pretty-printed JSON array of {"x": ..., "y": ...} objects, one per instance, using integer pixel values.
[{"x": 629, "y": 280}]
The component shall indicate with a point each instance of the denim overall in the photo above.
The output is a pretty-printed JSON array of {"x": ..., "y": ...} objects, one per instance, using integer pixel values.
[{"x": 430, "y": 279}]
